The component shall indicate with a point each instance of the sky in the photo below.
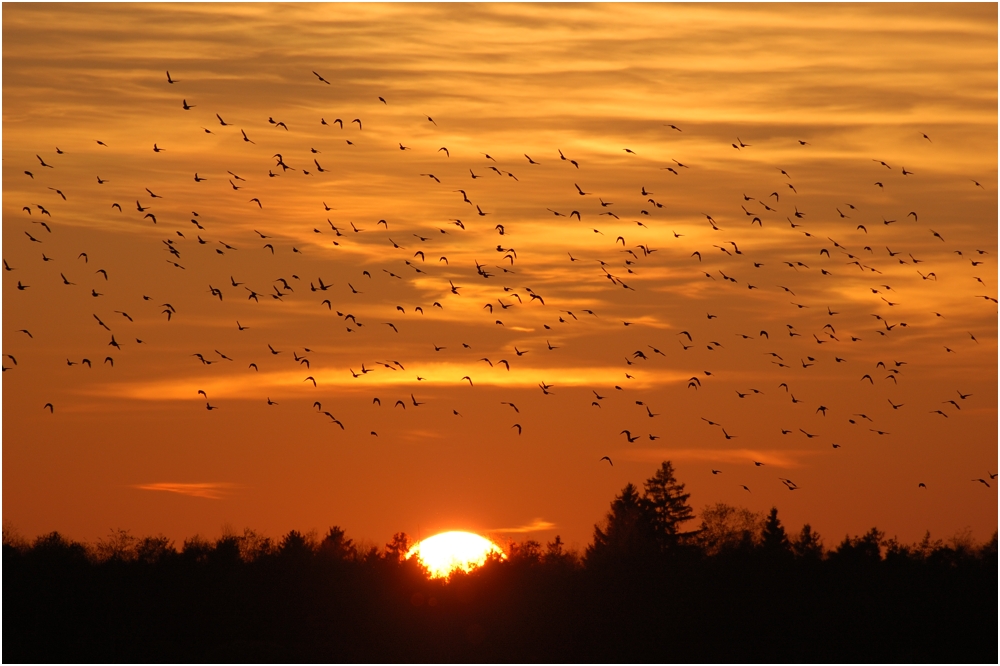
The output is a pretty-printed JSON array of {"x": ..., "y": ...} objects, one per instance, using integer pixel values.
[{"x": 780, "y": 200}]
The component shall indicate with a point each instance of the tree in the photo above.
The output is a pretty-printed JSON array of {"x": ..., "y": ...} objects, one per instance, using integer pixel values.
[
  {"x": 667, "y": 501},
  {"x": 119, "y": 546},
  {"x": 557, "y": 555},
  {"x": 628, "y": 531},
  {"x": 54, "y": 548},
  {"x": 554, "y": 549},
  {"x": 296, "y": 546},
  {"x": 336, "y": 545},
  {"x": 808, "y": 545},
  {"x": 254, "y": 546},
  {"x": 12, "y": 537},
  {"x": 528, "y": 552},
  {"x": 773, "y": 539},
  {"x": 154, "y": 550},
  {"x": 728, "y": 528},
  {"x": 196, "y": 549},
  {"x": 866, "y": 548},
  {"x": 927, "y": 546},
  {"x": 227, "y": 552},
  {"x": 396, "y": 550}
]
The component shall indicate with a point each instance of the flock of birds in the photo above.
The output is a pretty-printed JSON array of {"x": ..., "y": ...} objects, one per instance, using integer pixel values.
[{"x": 621, "y": 270}]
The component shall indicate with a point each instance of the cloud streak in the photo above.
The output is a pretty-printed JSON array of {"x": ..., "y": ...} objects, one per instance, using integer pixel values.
[
  {"x": 782, "y": 458},
  {"x": 202, "y": 490},
  {"x": 537, "y": 525},
  {"x": 434, "y": 376}
]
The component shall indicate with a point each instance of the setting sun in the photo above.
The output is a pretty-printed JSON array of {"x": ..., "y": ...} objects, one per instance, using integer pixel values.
[
  {"x": 445, "y": 552},
  {"x": 669, "y": 299}
]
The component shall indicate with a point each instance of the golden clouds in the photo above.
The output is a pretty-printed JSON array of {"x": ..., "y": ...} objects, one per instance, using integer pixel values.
[
  {"x": 356, "y": 258},
  {"x": 433, "y": 376}
]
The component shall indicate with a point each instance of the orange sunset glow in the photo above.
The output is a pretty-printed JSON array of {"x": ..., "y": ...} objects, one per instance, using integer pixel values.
[{"x": 432, "y": 267}]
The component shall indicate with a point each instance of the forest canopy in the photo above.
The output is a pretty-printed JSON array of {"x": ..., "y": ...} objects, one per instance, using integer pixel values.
[{"x": 658, "y": 583}]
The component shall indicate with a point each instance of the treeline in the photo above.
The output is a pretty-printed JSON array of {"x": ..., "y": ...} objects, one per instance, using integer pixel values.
[{"x": 647, "y": 589}]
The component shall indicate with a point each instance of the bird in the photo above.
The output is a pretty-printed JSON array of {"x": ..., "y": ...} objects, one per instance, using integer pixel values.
[
  {"x": 608, "y": 459},
  {"x": 668, "y": 285}
]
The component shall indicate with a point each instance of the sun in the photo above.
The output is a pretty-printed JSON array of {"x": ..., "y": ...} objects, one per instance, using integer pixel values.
[{"x": 448, "y": 551}]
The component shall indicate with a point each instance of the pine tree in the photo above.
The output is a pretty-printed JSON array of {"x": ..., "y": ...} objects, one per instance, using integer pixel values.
[
  {"x": 628, "y": 531},
  {"x": 667, "y": 501},
  {"x": 809, "y": 544},
  {"x": 396, "y": 550},
  {"x": 336, "y": 545},
  {"x": 554, "y": 548},
  {"x": 773, "y": 538}
]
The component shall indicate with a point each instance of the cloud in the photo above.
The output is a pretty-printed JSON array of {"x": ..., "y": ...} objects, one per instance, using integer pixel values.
[
  {"x": 786, "y": 459},
  {"x": 284, "y": 382},
  {"x": 205, "y": 490},
  {"x": 537, "y": 525}
]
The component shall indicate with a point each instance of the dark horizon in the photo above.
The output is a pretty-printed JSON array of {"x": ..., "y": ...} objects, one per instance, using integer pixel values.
[{"x": 738, "y": 589}]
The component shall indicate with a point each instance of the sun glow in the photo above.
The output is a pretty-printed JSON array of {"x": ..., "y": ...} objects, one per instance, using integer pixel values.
[{"x": 448, "y": 551}]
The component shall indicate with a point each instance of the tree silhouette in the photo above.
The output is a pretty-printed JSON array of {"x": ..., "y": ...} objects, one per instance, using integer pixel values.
[
  {"x": 56, "y": 549},
  {"x": 628, "y": 531},
  {"x": 154, "y": 550},
  {"x": 337, "y": 546},
  {"x": 773, "y": 540},
  {"x": 743, "y": 591},
  {"x": 727, "y": 528},
  {"x": 254, "y": 546},
  {"x": 808, "y": 545},
  {"x": 119, "y": 546},
  {"x": 397, "y": 549},
  {"x": 196, "y": 549},
  {"x": 864, "y": 549},
  {"x": 227, "y": 551},
  {"x": 667, "y": 501},
  {"x": 529, "y": 552},
  {"x": 556, "y": 555}
]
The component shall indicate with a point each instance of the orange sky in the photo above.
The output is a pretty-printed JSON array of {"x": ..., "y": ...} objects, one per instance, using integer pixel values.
[{"x": 133, "y": 445}]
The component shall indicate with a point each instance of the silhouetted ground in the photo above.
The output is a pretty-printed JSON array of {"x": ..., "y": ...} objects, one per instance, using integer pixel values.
[{"x": 730, "y": 592}]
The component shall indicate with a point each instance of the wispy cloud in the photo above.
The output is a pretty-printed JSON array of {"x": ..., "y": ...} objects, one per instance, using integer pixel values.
[
  {"x": 537, "y": 525},
  {"x": 205, "y": 490},
  {"x": 776, "y": 458},
  {"x": 236, "y": 386}
]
